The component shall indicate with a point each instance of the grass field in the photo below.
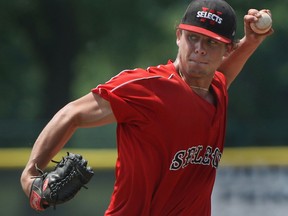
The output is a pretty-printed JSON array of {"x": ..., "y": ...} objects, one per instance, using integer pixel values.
[{"x": 105, "y": 158}]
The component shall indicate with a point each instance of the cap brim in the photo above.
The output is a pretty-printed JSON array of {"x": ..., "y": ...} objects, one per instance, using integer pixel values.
[{"x": 204, "y": 32}]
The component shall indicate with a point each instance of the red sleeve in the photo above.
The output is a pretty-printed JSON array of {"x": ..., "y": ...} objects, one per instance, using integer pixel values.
[
  {"x": 130, "y": 100},
  {"x": 221, "y": 86}
]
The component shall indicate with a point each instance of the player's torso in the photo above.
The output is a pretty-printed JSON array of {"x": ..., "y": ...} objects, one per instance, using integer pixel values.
[{"x": 168, "y": 158}]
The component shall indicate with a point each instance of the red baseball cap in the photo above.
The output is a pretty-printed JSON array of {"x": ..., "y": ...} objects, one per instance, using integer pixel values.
[{"x": 213, "y": 18}]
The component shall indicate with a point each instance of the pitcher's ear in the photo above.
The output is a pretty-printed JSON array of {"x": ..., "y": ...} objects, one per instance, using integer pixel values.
[
  {"x": 178, "y": 35},
  {"x": 229, "y": 49}
]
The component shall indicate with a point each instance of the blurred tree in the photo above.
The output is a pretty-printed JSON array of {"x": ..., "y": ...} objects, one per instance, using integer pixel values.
[
  {"x": 54, "y": 33},
  {"x": 50, "y": 26}
]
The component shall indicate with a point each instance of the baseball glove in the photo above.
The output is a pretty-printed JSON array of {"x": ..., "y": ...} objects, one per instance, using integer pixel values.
[{"x": 61, "y": 184}]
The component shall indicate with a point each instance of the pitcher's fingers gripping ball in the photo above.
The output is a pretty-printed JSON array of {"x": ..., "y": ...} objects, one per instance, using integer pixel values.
[
  {"x": 61, "y": 184},
  {"x": 263, "y": 24}
]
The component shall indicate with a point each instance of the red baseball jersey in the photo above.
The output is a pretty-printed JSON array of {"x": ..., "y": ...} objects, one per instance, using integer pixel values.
[{"x": 169, "y": 141}]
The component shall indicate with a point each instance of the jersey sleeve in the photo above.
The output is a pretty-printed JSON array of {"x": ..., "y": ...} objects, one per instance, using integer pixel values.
[
  {"x": 220, "y": 77},
  {"x": 221, "y": 85},
  {"x": 129, "y": 97}
]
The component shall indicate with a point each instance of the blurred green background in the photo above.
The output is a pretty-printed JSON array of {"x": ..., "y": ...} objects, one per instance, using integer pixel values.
[{"x": 54, "y": 51}]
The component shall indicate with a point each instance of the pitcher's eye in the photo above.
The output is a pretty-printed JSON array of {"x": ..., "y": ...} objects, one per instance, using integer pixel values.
[
  {"x": 213, "y": 42},
  {"x": 192, "y": 37}
]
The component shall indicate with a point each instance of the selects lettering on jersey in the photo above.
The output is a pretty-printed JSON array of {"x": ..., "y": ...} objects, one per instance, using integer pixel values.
[{"x": 194, "y": 155}]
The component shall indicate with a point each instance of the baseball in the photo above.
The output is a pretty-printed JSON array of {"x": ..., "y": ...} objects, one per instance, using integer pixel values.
[{"x": 263, "y": 24}]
